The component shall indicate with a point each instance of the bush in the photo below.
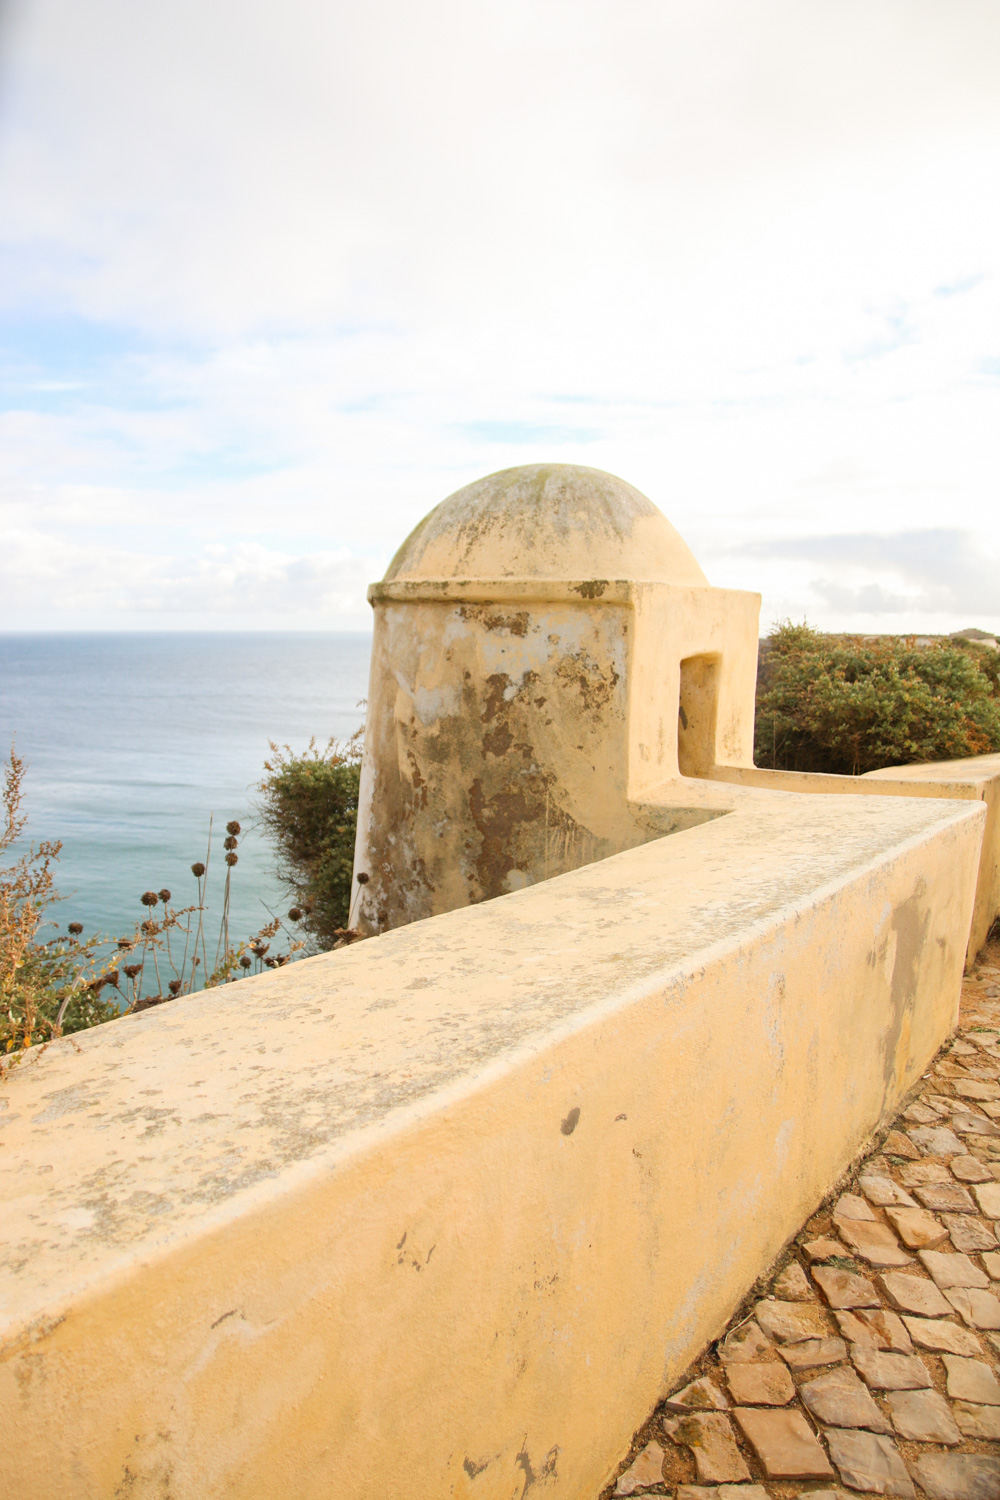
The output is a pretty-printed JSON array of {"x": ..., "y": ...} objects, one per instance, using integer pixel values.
[
  {"x": 848, "y": 704},
  {"x": 309, "y": 805}
]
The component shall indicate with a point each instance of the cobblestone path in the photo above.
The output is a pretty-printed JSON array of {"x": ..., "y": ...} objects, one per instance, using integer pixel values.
[{"x": 869, "y": 1360}]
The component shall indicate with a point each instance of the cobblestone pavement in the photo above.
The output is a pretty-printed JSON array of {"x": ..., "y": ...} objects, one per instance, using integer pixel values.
[{"x": 870, "y": 1358}]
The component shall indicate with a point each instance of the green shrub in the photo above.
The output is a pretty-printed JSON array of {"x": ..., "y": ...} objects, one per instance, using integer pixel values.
[
  {"x": 848, "y": 704},
  {"x": 309, "y": 805}
]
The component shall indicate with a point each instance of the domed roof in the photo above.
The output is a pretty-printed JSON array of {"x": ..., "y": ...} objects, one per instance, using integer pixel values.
[{"x": 558, "y": 521}]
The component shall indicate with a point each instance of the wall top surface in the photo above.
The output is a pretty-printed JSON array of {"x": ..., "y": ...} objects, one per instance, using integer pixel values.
[
  {"x": 559, "y": 521},
  {"x": 143, "y": 1132}
]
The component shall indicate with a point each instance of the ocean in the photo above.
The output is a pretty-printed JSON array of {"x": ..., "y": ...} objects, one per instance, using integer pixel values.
[{"x": 132, "y": 742}]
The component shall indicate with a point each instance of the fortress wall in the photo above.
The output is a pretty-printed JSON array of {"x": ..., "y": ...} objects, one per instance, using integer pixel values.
[{"x": 443, "y": 1214}]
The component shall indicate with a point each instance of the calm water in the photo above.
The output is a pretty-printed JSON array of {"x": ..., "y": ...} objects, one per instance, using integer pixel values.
[{"x": 132, "y": 741}]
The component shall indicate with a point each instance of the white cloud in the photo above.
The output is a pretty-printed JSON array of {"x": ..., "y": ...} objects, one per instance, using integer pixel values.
[{"x": 745, "y": 254}]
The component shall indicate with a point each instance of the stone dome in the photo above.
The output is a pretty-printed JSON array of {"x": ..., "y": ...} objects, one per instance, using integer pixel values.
[{"x": 557, "y": 521}]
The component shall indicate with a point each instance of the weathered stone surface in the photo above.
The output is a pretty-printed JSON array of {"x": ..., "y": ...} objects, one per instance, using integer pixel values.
[
  {"x": 866, "y": 1461},
  {"x": 946, "y": 1196},
  {"x": 988, "y": 1198},
  {"x": 793, "y": 1285},
  {"x": 709, "y": 1436},
  {"x": 971, "y": 1380},
  {"x": 975, "y": 1088},
  {"x": 991, "y": 1260},
  {"x": 921, "y": 1114},
  {"x": 942, "y": 1337},
  {"x": 936, "y": 1140},
  {"x": 885, "y": 1331},
  {"x": 791, "y": 1322},
  {"x": 760, "y": 1385},
  {"x": 952, "y": 1270},
  {"x": 923, "y": 1417},
  {"x": 969, "y": 1169},
  {"x": 913, "y": 1294},
  {"x": 785, "y": 1443},
  {"x": 886, "y": 1371},
  {"x": 970, "y": 1124},
  {"x": 874, "y": 1242},
  {"x": 969, "y": 1233},
  {"x": 851, "y": 1206},
  {"x": 823, "y": 1249},
  {"x": 883, "y": 1191},
  {"x": 838, "y": 1399},
  {"x": 958, "y": 1476},
  {"x": 898, "y": 1144},
  {"x": 744, "y": 1345},
  {"x": 918, "y": 1229},
  {"x": 722, "y": 1492},
  {"x": 700, "y": 1395},
  {"x": 813, "y": 1352},
  {"x": 978, "y": 1421},
  {"x": 844, "y": 1288},
  {"x": 977, "y": 1308},
  {"x": 646, "y": 1469},
  {"x": 918, "y": 1173}
]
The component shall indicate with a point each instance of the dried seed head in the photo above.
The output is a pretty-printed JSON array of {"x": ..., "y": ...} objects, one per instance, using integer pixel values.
[
  {"x": 232, "y": 859},
  {"x": 132, "y": 970},
  {"x": 294, "y": 915},
  {"x": 362, "y": 878},
  {"x": 280, "y": 959},
  {"x": 174, "y": 986},
  {"x": 149, "y": 898},
  {"x": 230, "y": 843},
  {"x": 270, "y": 962},
  {"x": 75, "y": 928},
  {"x": 164, "y": 895},
  {"x": 246, "y": 962},
  {"x": 148, "y": 929},
  {"x": 111, "y": 977},
  {"x": 198, "y": 869},
  {"x": 126, "y": 944},
  {"x": 233, "y": 827}
]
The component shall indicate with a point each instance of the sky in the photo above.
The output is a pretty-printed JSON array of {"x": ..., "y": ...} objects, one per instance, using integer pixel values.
[{"x": 276, "y": 276}]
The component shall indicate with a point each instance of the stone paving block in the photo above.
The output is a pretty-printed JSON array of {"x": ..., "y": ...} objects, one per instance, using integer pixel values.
[
  {"x": 744, "y": 1345},
  {"x": 839, "y": 1399},
  {"x": 883, "y": 1191},
  {"x": 952, "y": 1270},
  {"x": 991, "y": 1260},
  {"x": 969, "y": 1124},
  {"x": 824, "y": 1249},
  {"x": 942, "y": 1337},
  {"x": 913, "y": 1294},
  {"x": 988, "y": 1198},
  {"x": 813, "y": 1352},
  {"x": 936, "y": 1140},
  {"x": 975, "y": 1088},
  {"x": 950, "y": 1197},
  {"x": 866, "y": 1461},
  {"x": 793, "y": 1285},
  {"x": 722, "y": 1492},
  {"x": 700, "y": 1395},
  {"x": 968, "y": 1169},
  {"x": 844, "y": 1288},
  {"x": 647, "y": 1469},
  {"x": 918, "y": 1229},
  {"x": 971, "y": 1380},
  {"x": 785, "y": 1443},
  {"x": 791, "y": 1322},
  {"x": 760, "y": 1385},
  {"x": 922, "y": 1417},
  {"x": 852, "y": 1206},
  {"x": 887, "y": 1330},
  {"x": 958, "y": 1476},
  {"x": 962, "y": 1048},
  {"x": 709, "y": 1435},
  {"x": 886, "y": 1371},
  {"x": 898, "y": 1144},
  {"x": 873, "y": 1242},
  {"x": 919, "y": 1173},
  {"x": 978, "y": 1421},
  {"x": 921, "y": 1114},
  {"x": 969, "y": 1233},
  {"x": 978, "y": 1309}
]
